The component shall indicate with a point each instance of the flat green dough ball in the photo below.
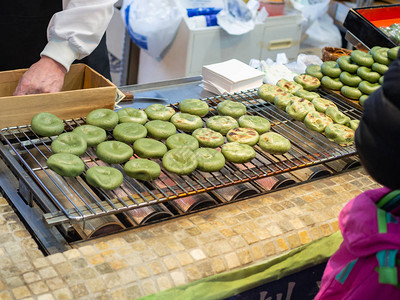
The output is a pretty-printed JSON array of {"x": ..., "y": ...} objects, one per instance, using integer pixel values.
[
  {"x": 321, "y": 104},
  {"x": 289, "y": 86},
  {"x": 258, "y": 123},
  {"x": 308, "y": 82},
  {"x": 66, "y": 164},
  {"x": 194, "y": 107},
  {"x": 299, "y": 109},
  {"x": 340, "y": 134},
  {"x": 331, "y": 83},
  {"x": 180, "y": 140},
  {"x": 350, "y": 79},
  {"x": 381, "y": 56},
  {"x": 238, "y": 153},
  {"x": 354, "y": 124},
  {"x": 368, "y": 87},
  {"x": 129, "y": 132},
  {"x": 181, "y": 161},
  {"x": 274, "y": 143},
  {"x": 241, "y": 135},
  {"x": 149, "y": 148},
  {"x": 142, "y": 169},
  {"x": 307, "y": 95},
  {"x": 392, "y": 52},
  {"x": 331, "y": 68},
  {"x": 346, "y": 64},
  {"x": 208, "y": 137},
  {"x": 362, "y": 99},
  {"x": 317, "y": 121},
  {"x": 209, "y": 160},
  {"x": 114, "y": 152},
  {"x": 337, "y": 116},
  {"x": 159, "y": 112},
  {"x": 231, "y": 108},
  {"x": 221, "y": 124},
  {"x": 160, "y": 130},
  {"x": 130, "y": 114},
  {"x": 283, "y": 100},
  {"x": 103, "y": 117},
  {"x": 362, "y": 58},
  {"x": 186, "y": 122},
  {"x": 268, "y": 92},
  {"x": 351, "y": 92},
  {"x": 69, "y": 142},
  {"x": 380, "y": 68},
  {"x": 368, "y": 75},
  {"x": 373, "y": 49},
  {"x": 47, "y": 124},
  {"x": 104, "y": 177},
  {"x": 314, "y": 70},
  {"x": 93, "y": 135}
]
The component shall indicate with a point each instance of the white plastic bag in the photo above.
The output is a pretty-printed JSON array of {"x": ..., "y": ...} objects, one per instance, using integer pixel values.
[
  {"x": 322, "y": 33},
  {"x": 238, "y": 17},
  {"x": 317, "y": 25},
  {"x": 282, "y": 68},
  {"x": 151, "y": 24}
]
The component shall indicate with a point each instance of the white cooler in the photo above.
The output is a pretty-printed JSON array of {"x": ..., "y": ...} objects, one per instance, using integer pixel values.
[{"x": 194, "y": 47}]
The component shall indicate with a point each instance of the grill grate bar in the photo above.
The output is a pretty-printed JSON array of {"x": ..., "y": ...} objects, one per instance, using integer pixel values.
[
  {"x": 77, "y": 200},
  {"x": 164, "y": 184}
]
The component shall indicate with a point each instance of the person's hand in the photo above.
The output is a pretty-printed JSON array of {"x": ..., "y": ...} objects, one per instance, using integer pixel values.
[{"x": 44, "y": 76}]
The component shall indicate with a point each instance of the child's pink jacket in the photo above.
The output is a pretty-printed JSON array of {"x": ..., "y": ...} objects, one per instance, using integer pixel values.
[{"x": 365, "y": 265}]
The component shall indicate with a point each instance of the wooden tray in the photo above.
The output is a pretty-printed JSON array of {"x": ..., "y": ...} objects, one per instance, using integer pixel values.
[{"x": 84, "y": 90}]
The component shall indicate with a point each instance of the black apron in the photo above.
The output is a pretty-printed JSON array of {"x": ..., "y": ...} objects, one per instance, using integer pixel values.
[{"x": 23, "y": 30}]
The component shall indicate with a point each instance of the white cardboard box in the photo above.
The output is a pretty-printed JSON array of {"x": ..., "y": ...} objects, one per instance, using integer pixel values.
[{"x": 193, "y": 48}]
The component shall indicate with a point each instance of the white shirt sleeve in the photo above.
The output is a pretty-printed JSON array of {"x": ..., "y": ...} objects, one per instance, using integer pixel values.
[{"x": 75, "y": 32}]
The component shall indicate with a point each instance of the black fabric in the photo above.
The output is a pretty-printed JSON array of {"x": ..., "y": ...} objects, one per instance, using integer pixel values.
[
  {"x": 98, "y": 59},
  {"x": 23, "y": 28},
  {"x": 378, "y": 135}
]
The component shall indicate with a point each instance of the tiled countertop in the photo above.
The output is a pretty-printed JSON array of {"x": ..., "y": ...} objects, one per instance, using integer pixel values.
[{"x": 145, "y": 260}]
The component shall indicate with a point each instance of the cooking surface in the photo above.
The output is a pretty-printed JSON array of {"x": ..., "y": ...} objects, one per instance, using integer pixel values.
[{"x": 77, "y": 200}]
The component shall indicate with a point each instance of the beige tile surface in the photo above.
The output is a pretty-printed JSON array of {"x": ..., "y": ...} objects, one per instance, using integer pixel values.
[{"x": 171, "y": 253}]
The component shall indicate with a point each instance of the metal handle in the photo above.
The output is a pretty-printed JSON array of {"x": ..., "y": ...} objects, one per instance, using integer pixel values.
[
  {"x": 128, "y": 96},
  {"x": 280, "y": 44}
]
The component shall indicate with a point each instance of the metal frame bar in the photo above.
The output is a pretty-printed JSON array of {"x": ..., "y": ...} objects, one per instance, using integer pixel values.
[{"x": 49, "y": 239}]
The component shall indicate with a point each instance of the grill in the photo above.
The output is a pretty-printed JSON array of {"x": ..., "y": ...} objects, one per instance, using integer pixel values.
[{"x": 66, "y": 201}]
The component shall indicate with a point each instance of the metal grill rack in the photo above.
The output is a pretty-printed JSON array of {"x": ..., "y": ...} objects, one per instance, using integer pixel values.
[{"x": 73, "y": 200}]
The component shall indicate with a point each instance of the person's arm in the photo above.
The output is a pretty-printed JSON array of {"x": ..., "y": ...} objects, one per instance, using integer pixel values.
[
  {"x": 73, "y": 33},
  {"x": 378, "y": 135}
]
